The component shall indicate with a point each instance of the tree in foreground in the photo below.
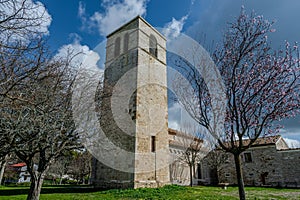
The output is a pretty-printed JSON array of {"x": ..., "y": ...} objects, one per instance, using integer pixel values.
[
  {"x": 261, "y": 87},
  {"x": 35, "y": 92},
  {"x": 38, "y": 115},
  {"x": 20, "y": 21},
  {"x": 17, "y": 65}
]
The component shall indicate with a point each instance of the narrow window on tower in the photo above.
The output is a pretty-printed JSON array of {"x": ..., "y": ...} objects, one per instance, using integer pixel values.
[
  {"x": 117, "y": 46},
  {"x": 153, "y": 144},
  {"x": 153, "y": 45},
  {"x": 126, "y": 42}
]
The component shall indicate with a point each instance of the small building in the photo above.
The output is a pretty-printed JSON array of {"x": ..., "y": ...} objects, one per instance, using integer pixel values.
[
  {"x": 269, "y": 162},
  {"x": 22, "y": 174},
  {"x": 179, "y": 143}
]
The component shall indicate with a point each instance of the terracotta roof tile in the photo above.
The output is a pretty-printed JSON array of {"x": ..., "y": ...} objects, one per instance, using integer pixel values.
[
  {"x": 270, "y": 140},
  {"x": 19, "y": 165},
  {"x": 183, "y": 135},
  {"x": 264, "y": 140}
]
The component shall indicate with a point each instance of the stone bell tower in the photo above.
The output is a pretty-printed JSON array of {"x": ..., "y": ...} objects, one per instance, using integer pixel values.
[{"x": 134, "y": 109}]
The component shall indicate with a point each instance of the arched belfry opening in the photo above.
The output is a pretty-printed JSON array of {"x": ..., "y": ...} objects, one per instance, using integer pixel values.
[
  {"x": 153, "y": 45},
  {"x": 126, "y": 42},
  {"x": 117, "y": 47}
]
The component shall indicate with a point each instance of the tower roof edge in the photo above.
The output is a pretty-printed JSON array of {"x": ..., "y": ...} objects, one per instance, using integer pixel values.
[{"x": 132, "y": 20}]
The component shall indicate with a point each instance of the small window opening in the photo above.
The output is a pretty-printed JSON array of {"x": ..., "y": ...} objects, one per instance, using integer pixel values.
[
  {"x": 153, "y": 144},
  {"x": 153, "y": 45},
  {"x": 248, "y": 157},
  {"x": 126, "y": 42},
  {"x": 117, "y": 46}
]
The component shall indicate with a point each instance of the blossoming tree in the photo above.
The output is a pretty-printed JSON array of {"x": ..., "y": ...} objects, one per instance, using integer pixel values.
[{"x": 261, "y": 87}]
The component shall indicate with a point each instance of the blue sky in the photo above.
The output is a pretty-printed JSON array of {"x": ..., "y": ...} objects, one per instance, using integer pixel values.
[
  {"x": 85, "y": 23},
  {"x": 66, "y": 20},
  {"x": 204, "y": 16}
]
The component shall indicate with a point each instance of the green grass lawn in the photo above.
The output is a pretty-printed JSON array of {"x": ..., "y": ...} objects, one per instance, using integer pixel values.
[{"x": 167, "y": 192}]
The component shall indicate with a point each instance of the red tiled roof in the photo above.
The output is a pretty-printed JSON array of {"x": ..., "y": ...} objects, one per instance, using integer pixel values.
[
  {"x": 176, "y": 143},
  {"x": 269, "y": 140},
  {"x": 264, "y": 140},
  {"x": 183, "y": 135},
  {"x": 289, "y": 149},
  {"x": 19, "y": 165}
]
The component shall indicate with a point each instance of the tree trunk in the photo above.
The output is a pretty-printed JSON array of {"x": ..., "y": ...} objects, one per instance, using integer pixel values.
[
  {"x": 191, "y": 175},
  {"x": 194, "y": 171},
  {"x": 217, "y": 175},
  {"x": 89, "y": 180},
  {"x": 35, "y": 186},
  {"x": 2, "y": 168},
  {"x": 60, "y": 179},
  {"x": 239, "y": 176}
]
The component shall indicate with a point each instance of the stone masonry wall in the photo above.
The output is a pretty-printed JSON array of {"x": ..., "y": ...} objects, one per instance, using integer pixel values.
[
  {"x": 152, "y": 170},
  {"x": 268, "y": 166},
  {"x": 134, "y": 109}
]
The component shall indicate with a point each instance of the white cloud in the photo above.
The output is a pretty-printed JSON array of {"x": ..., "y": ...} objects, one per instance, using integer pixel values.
[
  {"x": 75, "y": 38},
  {"x": 116, "y": 13},
  {"x": 179, "y": 119},
  {"x": 31, "y": 19},
  {"x": 290, "y": 130},
  {"x": 83, "y": 56},
  {"x": 174, "y": 116},
  {"x": 82, "y": 14},
  {"x": 81, "y": 9},
  {"x": 174, "y": 28},
  {"x": 292, "y": 143}
]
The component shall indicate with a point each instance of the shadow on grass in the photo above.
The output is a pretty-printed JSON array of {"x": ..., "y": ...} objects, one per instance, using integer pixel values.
[{"x": 48, "y": 190}]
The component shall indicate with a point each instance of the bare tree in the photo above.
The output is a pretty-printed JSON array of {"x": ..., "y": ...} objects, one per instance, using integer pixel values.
[
  {"x": 81, "y": 166},
  {"x": 20, "y": 20},
  {"x": 75, "y": 164},
  {"x": 3, "y": 162},
  {"x": 4, "y": 147},
  {"x": 16, "y": 66},
  {"x": 39, "y": 115},
  {"x": 36, "y": 108},
  {"x": 261, "y": 87},
  {"x": 35, "y": 91},
  {"x": 22, "y": 24},
  {"x": 60, "y": 166},
  {"x": 215, "y": 160},
  {"x": 191, "y": 142}
]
